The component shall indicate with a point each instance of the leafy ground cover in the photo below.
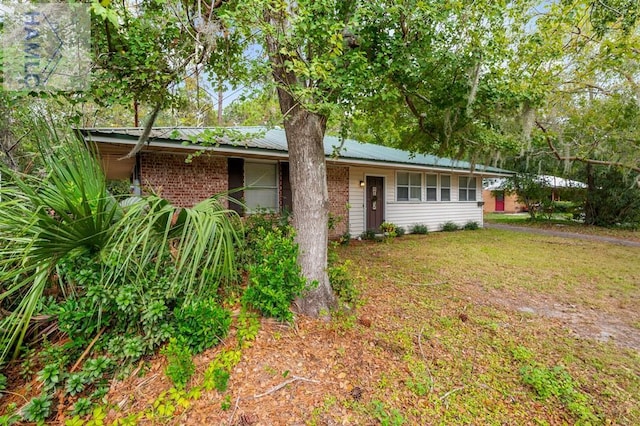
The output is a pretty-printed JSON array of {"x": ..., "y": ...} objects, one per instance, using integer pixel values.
[{"x": 468, "y": 327}]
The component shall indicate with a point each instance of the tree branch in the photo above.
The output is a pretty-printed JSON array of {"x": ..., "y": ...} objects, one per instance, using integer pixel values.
[
  {"x": 419, "y": 116},
  {"x": 144, "y": 137},
  {"x": 585, "y": 160},
  {"x": 283, "y": 384}
]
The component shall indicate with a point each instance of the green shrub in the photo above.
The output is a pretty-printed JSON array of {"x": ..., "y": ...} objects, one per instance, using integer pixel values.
[
  {"x": 82, "y": 407},
  {"x": 342, "y": 282},
  {"x": 51, "y": 375},
  {"x": 255, "y": 225},
  {"x": 10, "y": 416},
  {"x": 345, "y": 238},
  {"x": 419, "y": 229},
  {"x": 471, "y": 225},
  {"x": 180, "y": 365},
  {"x": 38, "y": 409},
  {"x": 3, "y": 382},
  {"x": 369, "y": 234},
  {"x": 564, "y": 206},
  {"x": 96, "y": 368},
  {"x": 76, "y": 383},
  {"x": 388, "y": 229},
  {"x": 275, "y": 278},
  {"x": 221, "y": 379},
  {"x": 138, "y": 308},
  {"x": 202, "y": 324},
  {"x": 400, "y": 231},
  {"x": 449, "y": 227}
]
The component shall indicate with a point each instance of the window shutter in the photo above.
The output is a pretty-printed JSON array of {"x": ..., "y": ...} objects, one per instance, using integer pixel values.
[
  {"x": 287, "y": 198},
  {"x": 235, "y": 167}
]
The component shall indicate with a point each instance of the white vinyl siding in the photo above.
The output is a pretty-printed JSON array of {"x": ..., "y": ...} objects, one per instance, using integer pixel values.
[
  {"x": 405, "y": 214},
  {"x": 261, "y": 181}
]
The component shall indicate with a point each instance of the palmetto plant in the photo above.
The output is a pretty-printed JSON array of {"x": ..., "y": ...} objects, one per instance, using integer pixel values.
[
  {"x": 64, "y": 211},
  {"x": 67, "y": 212}
]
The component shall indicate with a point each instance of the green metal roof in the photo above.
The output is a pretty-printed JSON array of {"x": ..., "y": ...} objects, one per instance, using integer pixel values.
[{"x": 274, "y": 141}]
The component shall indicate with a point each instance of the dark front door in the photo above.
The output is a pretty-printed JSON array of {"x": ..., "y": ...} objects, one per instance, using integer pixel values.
[
  {"x": 374, "y": 203},
  {"x": 499, "y": 201}
]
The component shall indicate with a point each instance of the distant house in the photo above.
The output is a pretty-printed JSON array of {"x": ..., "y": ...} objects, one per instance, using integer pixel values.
[
  {"x": 368, "y": 184},
  {"x": 498, "y": 200}
]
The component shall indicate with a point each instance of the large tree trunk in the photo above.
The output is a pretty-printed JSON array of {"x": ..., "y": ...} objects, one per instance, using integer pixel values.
[{"x": 308, "y": 175}]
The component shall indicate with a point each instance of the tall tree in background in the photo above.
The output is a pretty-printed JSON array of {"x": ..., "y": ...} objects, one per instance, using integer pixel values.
[
  {"x": 588, "y": 113},
  {"x": 591, "y": 106}
]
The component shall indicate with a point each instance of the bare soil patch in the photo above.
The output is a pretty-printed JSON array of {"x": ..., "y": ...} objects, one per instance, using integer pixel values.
[{"x": 580, "y": 321}]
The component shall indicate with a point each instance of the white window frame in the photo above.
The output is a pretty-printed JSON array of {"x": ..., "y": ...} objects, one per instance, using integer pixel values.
[
  {"x": 250, "y": 187},
  {"x": 464, "y": 190},
  {"x": 409, "y": 186}
]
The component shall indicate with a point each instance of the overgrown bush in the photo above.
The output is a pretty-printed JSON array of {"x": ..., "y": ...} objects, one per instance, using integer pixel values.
[
  {"x": 113, "y": 278},
  {"x": 201, "y": 324},
  {"x": 135, "y": 262},
  {"x": 612, "y": 200},
  {"x": 135, "y": 316},
  {"x": 471, "y": 225},
  {"x": 564, "y": 207},
  {"x": 275, "y": 277},
  {"x": 419, "y": 229},
  {"x": 449, "y": 227}
]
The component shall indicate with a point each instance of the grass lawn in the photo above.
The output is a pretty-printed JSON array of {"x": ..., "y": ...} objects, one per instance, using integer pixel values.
[
  {"x": 470, "y": 327},
  {"x": 495, "y": 327},
  {"x": 560, "y": 222}
]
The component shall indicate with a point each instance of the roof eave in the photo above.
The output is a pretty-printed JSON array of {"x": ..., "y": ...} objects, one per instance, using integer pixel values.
[{"x": 177, "y": 146}]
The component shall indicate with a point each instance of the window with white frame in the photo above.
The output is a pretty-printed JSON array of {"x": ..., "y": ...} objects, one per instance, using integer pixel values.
[
  {"x": 467, "y": 188},
  {"x": 261, "y": 182},
  {"x": 409, "y": 186},
  {"x": 432, "y": 187},
  {"x": 445, "y": 188}
]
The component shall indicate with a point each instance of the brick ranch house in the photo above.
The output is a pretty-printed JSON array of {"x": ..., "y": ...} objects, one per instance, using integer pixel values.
[{"x": 368, "y": 184}]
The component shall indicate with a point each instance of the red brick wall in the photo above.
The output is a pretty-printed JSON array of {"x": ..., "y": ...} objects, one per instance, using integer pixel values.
[
  {"x": 338, "y": 185},
  {"x": 184, "y": 184},
  {"x": 511, "y": 204}
]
